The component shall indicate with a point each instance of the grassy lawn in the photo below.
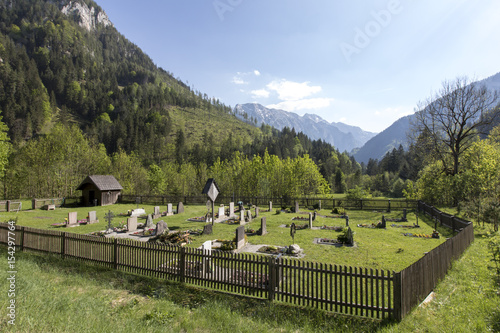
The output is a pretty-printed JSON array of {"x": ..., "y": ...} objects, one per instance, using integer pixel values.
[
  {"x": 375, "y": 248},
  {"x": 54, "y": 295}
]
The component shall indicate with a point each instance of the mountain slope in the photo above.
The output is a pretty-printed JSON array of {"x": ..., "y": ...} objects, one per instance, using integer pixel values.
[
  {"x": 396, "y": 134},
  {"x": 64, "y": 61},
  {"x": 342, "y": 136}
]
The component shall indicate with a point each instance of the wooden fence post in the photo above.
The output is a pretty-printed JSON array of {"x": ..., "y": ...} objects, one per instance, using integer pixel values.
[
  {"x": 272, "y": 279},
  {"x": 21, "y": 241},
  {"x": 398, "y": 296},
  {"x": 63, "y": 244},
  {"x": 115, "y": 257},
  {"x": 182, "y": 264}
]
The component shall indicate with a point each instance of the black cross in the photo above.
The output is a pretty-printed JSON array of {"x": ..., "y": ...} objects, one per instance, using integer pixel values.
[
  {"x": 293, "y": 229},
  {"x": 109, "y": 217}
]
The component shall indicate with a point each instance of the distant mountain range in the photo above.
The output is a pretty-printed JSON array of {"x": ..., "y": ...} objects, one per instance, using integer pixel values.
[
  {"x": 343, "y": 137},
  {"x": 397, "y": 133}
]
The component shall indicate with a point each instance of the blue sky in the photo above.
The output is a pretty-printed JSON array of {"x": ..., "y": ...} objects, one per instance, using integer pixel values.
[{"x": 364, "y": 63}]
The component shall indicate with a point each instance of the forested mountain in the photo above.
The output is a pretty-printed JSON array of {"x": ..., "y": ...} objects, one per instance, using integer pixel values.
[
  {"x": 397, "y": 133},
  {"x": 79, "y": 98}
]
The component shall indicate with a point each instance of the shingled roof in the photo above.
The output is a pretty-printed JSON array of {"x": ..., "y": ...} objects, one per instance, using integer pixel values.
[{"x": 103, "y": 183}]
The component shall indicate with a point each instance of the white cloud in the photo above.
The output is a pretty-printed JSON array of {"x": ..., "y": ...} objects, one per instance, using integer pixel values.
[
  {"x": 261, "y": 93},
  {"x": 256, "y": 73},
  {"x": 292, "y": 91},
  {"x": 302, "y": 104},
  {"x": 238, "y": 80}
]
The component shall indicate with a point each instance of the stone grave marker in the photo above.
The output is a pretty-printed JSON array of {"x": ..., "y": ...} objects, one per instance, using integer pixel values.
[
  {"x": 320, "y": 205},
  {"x": 310, "y": 220},
  {"x": 346, "y": 221},
  {"x": 297, "y": 207},
  {"x": 207, "y": 229},
  {"x": 138, "y": 212},
  {"x": 384, "y": 222},
  {"x": 404, "y": 215},
  {"x": 161, "y": 227},
  {"x": 92, "y": 217},
  {"x": 249, "y": 216},
  {"x": 256, "y": 212},
  {"x": 231, "y": 209},
  {"x": 242, "y": 217},
  {"x": 180, "y": 208},
  {"x": 109, "y": 217},
  {"x": 207, "y": 250},
  {"x": 170, "y": 210},
  {"x": 222, "y": 213},
  {"x": 315, "y": 215},
  {"x": 156, "y": 213},
  {"x": 132, "y": 223},
  {"x": 149, "y": 222},
  {"x": 240, "y": 237},
  {"x": 72, "y": 220},
  {"x": 270, "y": 206},
  {"x": 263, "y": 227}
]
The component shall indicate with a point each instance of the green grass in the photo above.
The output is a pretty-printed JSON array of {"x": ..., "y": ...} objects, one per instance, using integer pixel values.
[
  {"x": 54, "y": 295},
  {"x": 375, "y": 248}
]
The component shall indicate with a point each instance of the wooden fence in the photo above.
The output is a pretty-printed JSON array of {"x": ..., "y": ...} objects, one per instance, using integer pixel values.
[
  {"x": 414, "y": 283},
  {"x": 348, "y": 290},
  {"x": 278, "y": 202}
]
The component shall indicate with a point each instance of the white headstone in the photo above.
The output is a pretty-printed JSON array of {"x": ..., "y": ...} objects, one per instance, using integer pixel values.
[
  {"x": 222, "y": 212},
  {"x": 231, "y": 209},
  {"x": 138, "y": 212},
  {"x": 132, "y": 223},
  {"x": 170, "y": 210}
]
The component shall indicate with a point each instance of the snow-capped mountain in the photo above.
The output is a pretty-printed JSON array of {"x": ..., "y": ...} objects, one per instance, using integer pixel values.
[{"x": 342, "y": 136}]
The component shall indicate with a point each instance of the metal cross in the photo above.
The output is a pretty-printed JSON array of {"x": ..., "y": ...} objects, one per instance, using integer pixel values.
[
  {"x": 293, "y": 229},
  {"x": 109, "y": 217}
]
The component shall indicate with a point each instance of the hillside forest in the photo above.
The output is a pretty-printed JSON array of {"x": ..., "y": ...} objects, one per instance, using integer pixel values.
[{"x": 76, "y": 102}]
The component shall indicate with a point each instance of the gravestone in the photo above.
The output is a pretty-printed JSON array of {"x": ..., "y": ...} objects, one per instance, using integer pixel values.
[
  {"x": 137, "y": 212},
  {"x": 242, "y": 217},
  {"x": 270, "y": 206},
  {"x": 263, "y": 226},
  {"x": 149, "y": 222},
  {"x": 310, "y": 220},
  {"x": 207, "y": 250},
  {"x": 404, "y": 216},
  {"x": 72, "y": 220},
  {"x": 315, "y": 215},
  {"x": 156, "y": 213},
  {"x": 161, "y": 227},
  {"x": 222, "y": 213},
  {"x": 240, "y": 237},
  {"x": 231, "y": 209},
  {"x": 320, "y": 205},
  {"x": 207, "y": 229},
  {"x": 132, "y": 223},
  {"x": 256, "y": 212},
  {"x": 383, "y": 223},
  {"x": 346, "y": 221},
  {"x": 249, "y": 216},
  {"x": 51, "y": 207},
  {"x": 296, "y": 207},
  {"x": 92, "y": 217},
  {"x": 180, "y": 208},
  {"x": 170, "y": 210}
]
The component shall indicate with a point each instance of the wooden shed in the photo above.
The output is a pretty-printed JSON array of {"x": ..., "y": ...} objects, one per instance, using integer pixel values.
[{"x": 104, "y": 189}]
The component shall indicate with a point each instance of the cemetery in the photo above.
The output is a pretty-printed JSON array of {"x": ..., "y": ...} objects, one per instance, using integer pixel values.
[{"x": 241, "y": 244}]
